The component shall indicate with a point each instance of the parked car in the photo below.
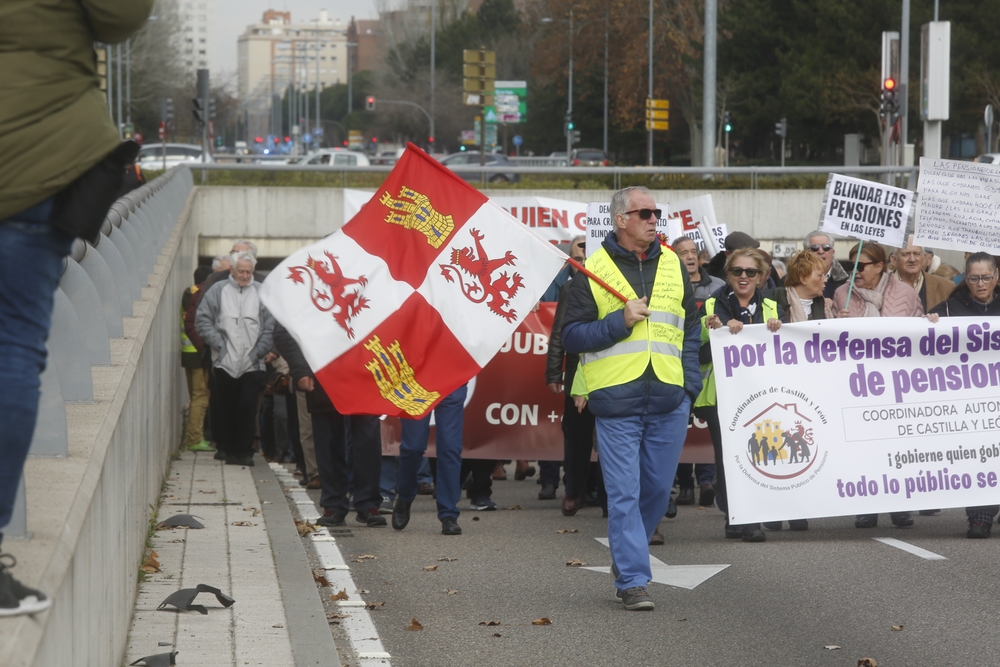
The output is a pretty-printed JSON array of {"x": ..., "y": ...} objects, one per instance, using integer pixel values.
[
  {"x": 151, "y": 156},
  {"x": 334, "y": 156},
  {"x": 989, "y": 158},
  {"x": 558, "y": 158},
  {"x": 588, "y": 157},
  {"x": 471, "y": 158}
]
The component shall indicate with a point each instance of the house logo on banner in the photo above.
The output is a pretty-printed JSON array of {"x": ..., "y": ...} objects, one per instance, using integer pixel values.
[{"x": 784, "y": 434}]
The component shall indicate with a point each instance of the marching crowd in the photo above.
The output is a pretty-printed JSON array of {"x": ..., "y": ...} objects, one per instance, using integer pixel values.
[{"x": 633, "y": 375}]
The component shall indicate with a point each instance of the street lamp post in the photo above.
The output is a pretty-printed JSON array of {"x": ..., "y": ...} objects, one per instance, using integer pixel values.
[
  {"x": 649, "y": 141},
  {"x": 569, "y": 103},
  {"x": 350, "y": 77}
]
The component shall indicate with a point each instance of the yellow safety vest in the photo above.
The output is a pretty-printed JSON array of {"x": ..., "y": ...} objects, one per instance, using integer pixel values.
[
  {"x": 186, "y": 344},
  {"x": 659, "y": 339},
  {"x": 707, "y": 395}
]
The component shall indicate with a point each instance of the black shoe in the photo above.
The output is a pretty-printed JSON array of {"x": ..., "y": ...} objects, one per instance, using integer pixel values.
[
  {"x": 401, "y": 514},
  {"x": 656, "y": 539},
  {"x": 240, "y": 460},
  {"x": 671, "y": 508},
  {"x": 753, "y": 533},
  {"x": 928, "y": 512},
  {"x": 15, "y": 597},
  {"x": 332, "y": 518},
  {"x": 733, "y": 532},
  {"x": 901, "y": 519},
  {"x": 773, "y": 525},
  {"x": 866, "y": 521},
  {"x": 707, "y": 496},
  {"x": 219, "y": 455},
  {"x": 590, "y": 499},
  {"x": 799, "y": 524},
  {"x": 449, "y": 526},
  {"x": 371, "y": 517},
  {"x": 685, "y": 496},
  {"x": 979, "y": 529},
  {"x": 548, "y": 492}
]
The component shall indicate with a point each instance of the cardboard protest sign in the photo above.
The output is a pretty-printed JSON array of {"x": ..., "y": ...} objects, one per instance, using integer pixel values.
[
  {"x": 866, "y": 210},
  {"x": 695, "y": 218},
  {"x": 959, "y": 202},
  {"x": 858, "y": 416}
]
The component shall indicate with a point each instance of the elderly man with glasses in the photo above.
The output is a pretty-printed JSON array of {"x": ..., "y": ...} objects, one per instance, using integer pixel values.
[
  {"x": 639, "y": 361},
  {"x": 820, "y": 243}
]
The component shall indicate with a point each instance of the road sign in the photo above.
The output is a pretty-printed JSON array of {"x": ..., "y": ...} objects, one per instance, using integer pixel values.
[
  {"x": 491, "y": 115},
  {"x": 317, "y": 131},
  {"x": 477, "y": 85},
  {"x": 475, "y": 70},
  {"x": 657, "y": 104},
  {"x": 511, "y": 101},
  {"x": 307, "y": 138},
  {"x": 163, "y": 130},
  {"x": 476, "y": 100},
  {"x": 472, "y": 56},
  {"x": 469, "y": 137},
  {"x": 657, "y": 125},
  {"x": 354, "y": 139},
  {"x": 657, "y": 114},
  {"x": 517, "y": 140}
]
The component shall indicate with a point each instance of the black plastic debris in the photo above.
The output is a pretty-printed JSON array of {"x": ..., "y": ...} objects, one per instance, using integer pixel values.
[
  {"x": 158, "y": 660},
  {"x": 181, "y": 521},
  {"x": 183, "y": 598}
]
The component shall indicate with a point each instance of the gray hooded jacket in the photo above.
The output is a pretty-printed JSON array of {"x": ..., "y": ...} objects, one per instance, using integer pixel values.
[{"x": 236, "y": 326}]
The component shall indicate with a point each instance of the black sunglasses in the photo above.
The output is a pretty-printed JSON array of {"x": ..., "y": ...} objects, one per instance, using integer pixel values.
[
  {"x": 826, "y": 247},
  {"x": 739, "y": 271},
  {"x": 645, "y": 213},
  {"x": 581, "y": 244}
]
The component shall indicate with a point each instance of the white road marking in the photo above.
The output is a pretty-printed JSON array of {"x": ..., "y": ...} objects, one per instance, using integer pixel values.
[
  {"x": 358, "y": 624},
  {"x": 905, "y": 546},
  {"x": 680, "y": 576}
]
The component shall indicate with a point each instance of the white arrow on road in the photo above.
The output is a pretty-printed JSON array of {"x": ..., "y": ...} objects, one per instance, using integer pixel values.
[{"x": 681, "y": 576}]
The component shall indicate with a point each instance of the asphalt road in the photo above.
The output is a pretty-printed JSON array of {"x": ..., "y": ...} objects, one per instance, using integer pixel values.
[{"x": 779, "y": 603}]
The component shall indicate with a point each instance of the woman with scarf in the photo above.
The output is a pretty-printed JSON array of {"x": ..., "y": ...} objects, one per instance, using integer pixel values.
[
  {"x": 876, "y": 294},
  {"x": 735, "y": 304},
  {"x": 977, "y": 296}
]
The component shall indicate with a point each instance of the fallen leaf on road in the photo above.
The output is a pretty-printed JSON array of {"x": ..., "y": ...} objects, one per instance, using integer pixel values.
[
  {"x": 563, "y": 531},
  {"x": 243, "y": 523},
  {"x": 514, "y": 507},
  {"x": 831, "y": 647},
  {"x": 320, "y": 579},
  {"x": 151, "y": 565},
  {"x": 497, "y": 634},
  {"x": 279, "y": 625},
  {"x": 475, "y": 518},
  {"x": 304, "y": 527},
  {"x": 451, "y": 591},
  {"x": 489, "y": 623},
  {"x": 897, "y": 628},
  {"x": 414, "y": 626},
  {"x": 207, "y": 493},
  {"x": 373, "y": 605},
  {"x": 867, "y": 662},
  {"x": 363, "y": 557},
  {"x": 331, "y": 617},
  {"x": 541, "y": 621},
  {"x": 342, "y": 595},
  {"x": 252, "y": 509},
  {"x": 575, "y": 562},
  {"x": 679, "y": 620},
  {"x": 430, "y": 568},
  {"x": 447, "y": 559}
]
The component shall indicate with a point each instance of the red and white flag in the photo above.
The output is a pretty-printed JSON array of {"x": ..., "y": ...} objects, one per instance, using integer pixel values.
[{"x": 413, "y": 296}]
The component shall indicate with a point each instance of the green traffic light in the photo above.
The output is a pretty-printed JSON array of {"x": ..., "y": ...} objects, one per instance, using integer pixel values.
[
  {"x": 570, "y": 126},
  {"x": 729, "y": 128}
]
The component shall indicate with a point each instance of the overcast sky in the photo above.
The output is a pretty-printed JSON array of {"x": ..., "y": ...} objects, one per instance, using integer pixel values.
[{"x": 235, "y": 15}]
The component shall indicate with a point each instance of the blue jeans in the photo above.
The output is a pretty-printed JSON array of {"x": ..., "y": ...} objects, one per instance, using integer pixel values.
[
  {"x": 639, "y": 460},
  {"x": 448, "y": 416},
  {"x": 31, "y": 263},
  {"x": 387, "y": 482}
]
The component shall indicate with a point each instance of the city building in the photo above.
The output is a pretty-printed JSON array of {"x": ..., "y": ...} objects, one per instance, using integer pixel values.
[{"x": 196, "y": 46}]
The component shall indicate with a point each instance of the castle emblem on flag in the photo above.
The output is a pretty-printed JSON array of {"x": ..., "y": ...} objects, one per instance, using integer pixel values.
[
  {"x": 395, "y": 379},
  {"x": 414, "y": 211},
  {"x": 482, "y": 285},
  {"x": 328, "y": 289}
]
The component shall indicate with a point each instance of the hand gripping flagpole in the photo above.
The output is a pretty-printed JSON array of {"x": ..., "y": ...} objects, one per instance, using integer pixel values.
[{"x": 590, "y": 274}]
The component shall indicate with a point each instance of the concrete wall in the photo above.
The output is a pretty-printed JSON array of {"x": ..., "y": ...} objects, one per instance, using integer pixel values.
[{"x": 88, "y": 513}]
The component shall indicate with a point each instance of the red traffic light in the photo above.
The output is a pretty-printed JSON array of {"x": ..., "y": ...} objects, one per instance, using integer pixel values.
[
  {"x": 430, "y": 140},
  {"x": 258, "y": 140},
  {"x": 889, "y": 84},
  {"x": 345, "y": 142},
  {"x": 374, "y": 140},
  {"x": 288, "y": 140},
  {"x": 276, "y": 141}
]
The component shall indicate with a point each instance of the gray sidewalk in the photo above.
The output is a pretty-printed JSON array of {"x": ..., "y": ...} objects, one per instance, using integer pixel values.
[{"x": 249, "y": 549}]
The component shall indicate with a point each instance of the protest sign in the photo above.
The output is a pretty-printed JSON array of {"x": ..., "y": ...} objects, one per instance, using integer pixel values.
[
  {"x": 866, "y": 210},
  {"x": 958, "y": 206},
  {"x": 837, "y": 417},
  {"x": 510, "y": 412},
  {"x": 693, "y": 218}
]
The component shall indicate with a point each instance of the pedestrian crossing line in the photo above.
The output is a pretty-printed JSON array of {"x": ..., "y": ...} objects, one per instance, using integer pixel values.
[{"x": 910, "y": 548}]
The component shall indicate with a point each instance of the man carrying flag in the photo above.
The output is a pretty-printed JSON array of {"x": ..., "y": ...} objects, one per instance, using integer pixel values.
[
  {"x": 398, "y": 310},
  {"x": 640, "y": 363}
]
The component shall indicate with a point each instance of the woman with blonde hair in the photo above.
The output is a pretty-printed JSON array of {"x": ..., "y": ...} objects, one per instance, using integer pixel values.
[{"x": 802, "y": 296}]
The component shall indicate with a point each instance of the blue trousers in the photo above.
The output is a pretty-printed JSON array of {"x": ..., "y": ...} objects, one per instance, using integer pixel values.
[
  {"x": 448, "y": 416},
  {"x": 639, "y": 460},
  {"x": 31, "y": 263}
]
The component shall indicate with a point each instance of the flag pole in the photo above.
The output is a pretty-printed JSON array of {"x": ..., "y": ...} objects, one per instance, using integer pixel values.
[
  {"x": 854, "y": 272},
  {"x": 590, "y": 274}
]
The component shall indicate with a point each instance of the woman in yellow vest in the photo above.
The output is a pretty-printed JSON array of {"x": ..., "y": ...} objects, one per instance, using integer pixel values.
[{"x": 738, "y": 303}]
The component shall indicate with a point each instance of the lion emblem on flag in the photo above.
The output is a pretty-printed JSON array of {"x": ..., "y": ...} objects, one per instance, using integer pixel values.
[
  {"x": 329, "y": 289},
  {"x": 476, "y": 265}
]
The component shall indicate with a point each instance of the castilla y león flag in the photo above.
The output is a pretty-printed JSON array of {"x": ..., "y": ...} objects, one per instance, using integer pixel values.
[{"x": 413, "y": 296}]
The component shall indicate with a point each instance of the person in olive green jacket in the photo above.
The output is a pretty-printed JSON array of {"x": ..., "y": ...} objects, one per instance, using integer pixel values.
[{"x": 63, "y": 163}]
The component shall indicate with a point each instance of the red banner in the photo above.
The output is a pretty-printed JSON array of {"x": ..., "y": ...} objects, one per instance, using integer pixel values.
[{"x": 510, "y": 413}]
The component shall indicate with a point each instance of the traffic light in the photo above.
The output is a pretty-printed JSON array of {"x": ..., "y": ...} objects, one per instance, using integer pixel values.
[
  {"x": 890, "y": 105},
  {"x": 568, "y": 126},
  {"x": 166, "y": 110},
  {"x": 211, "y": 108},
  {"x": 198, "y": 110},
  {"x": 727, "y": 121},
  {"x": 575, "y": 135},
  {"x": 102, "y": 68},
  {"x": 370, "y": 103},
  {"x": 781, "y": 128}
]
